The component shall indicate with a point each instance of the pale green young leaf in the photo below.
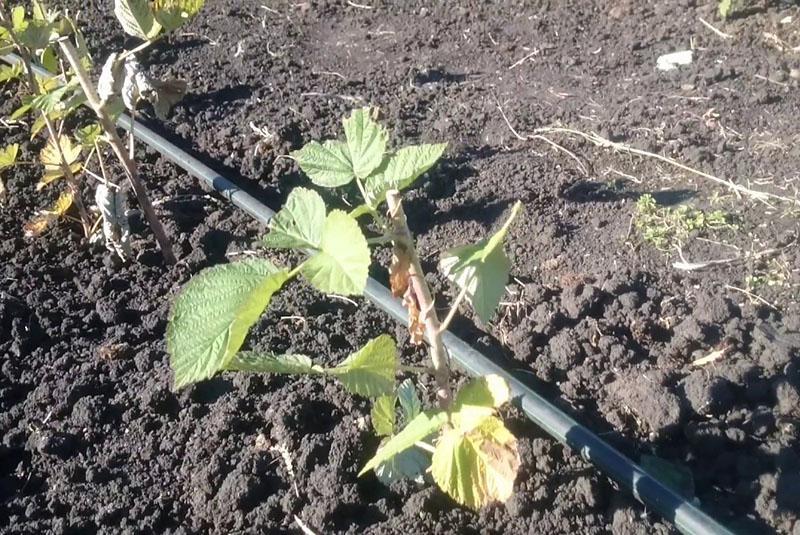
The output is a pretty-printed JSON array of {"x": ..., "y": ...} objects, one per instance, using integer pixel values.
[
  {"x": 212, "y": 314},
  {"x": 479, "y": 467},
  {"x": 326, "y": 164},
  {"x": 341, "y": 264},
  {"x": 402, "y": 169},
  {"x": 419, "y": 428},
  {"x": 22, "y": 110},
  {"x": 370, "y": 371},
  {"x": 172, "y": 14},
  {"x": 9, "y": 73},
  {"x": 479, "y": 399},
  {"x": 49, "y": 60},
  {"x": 408, "y": 464},
  {"x": 366, "y": 141},
  {"x": 383, "y": 415},
  {"x": 255, "y": 362},
  {"x": 482, "y": 269},
  {"x": 725, "y": 8},
  {"x": 300, "y": 223},
  {"x": 18, "y": 18},
  {"x": 409, "y": 400},
  {"x": 136, "y": 18},
  {"x": 8, "y": 155}
]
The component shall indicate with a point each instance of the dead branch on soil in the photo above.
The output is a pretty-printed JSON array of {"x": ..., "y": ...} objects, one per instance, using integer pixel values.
[
  {"x": 715, "y": 30},
  {"x": 752, "y": 296},
  {"x": 685, "y": 265}
]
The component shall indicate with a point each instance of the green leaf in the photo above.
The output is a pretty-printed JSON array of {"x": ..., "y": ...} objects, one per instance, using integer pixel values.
[
  {"x": 326, "y": 164},
  {"x": 8, "y": 156},
  {"x": 51, "y": 159},
  {"x": 409, "y": 464},
  {"x": 89, "y": 135},
  {"x": 19, "y": 112},
  {"x": 51, "y": 101},
  {"x": 172, "y": 14},
  {"x": 370, "y": 371},
  {"x": 409, "y": 401},
  {"x": 300, "y": 222},
  {"x": 10, "y": 72},
  {"x": 402, "y": 169},
  {"x": 342, "y": 263},
  {"x": 419, "y": 428},
  {"x": 212, "y": 314},
  {"x": 248, "y": 361},
  {"x": 366, "y": 141},
  {"x": 136, "y": 18},
  {"x": 479, "y": 467},
  {"x": 478, "y": 400},
  {"x": 35, "y": 34},
  {"x": 482, "y": 269},
  {"x": 18, "y": 18},
  {"x": 725, "y": 8},
  {"x": 383, "y": 416}
]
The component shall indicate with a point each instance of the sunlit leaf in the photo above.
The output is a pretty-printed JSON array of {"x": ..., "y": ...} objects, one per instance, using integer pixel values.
[
  {"x": 370, "y": 371},
  {"x": 401, "y": 170},
  {"x": 9, "y": 73},
  {"x": 256, "y": 362},
  {"x": 88, "y": 135},
  {"x": 8, "y": 156},
  {"x": 383, "y": 414},
  {"x": 366, "y": 142},
  {"x": 299, "y": 224},
  {"x": 35, "y": 34},
  {"x": 172, "y": 14},
  {"x": 326, "y": 164},
  {"x": 212, "y": 314},
  {"x": 136, "y": 18},
  {"x": 479, "y": 399},
  {"x": 45, "y": 218},
  {"x": 478, "y": 467},
  {"x": 425, "y": 424},
  {"x": 482, "y": 269},
  {"x": 341, "y": 264},
  {"x": 51, "y": 159}
]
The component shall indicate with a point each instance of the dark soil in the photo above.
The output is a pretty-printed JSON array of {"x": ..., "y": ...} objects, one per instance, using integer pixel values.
[{"x": 95, "y": 440}]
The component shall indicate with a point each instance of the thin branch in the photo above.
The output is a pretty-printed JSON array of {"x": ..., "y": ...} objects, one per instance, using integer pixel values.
[{"x": 453, "y": 309}]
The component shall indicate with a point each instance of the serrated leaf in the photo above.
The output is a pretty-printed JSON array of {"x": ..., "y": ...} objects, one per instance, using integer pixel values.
[
  {"x": 51, "y": 100},
  {"x": 419, "y": 428},
  {"x": 299, "y": 224},
  {"x": 341, "y": 264},
  {"x": 326, "y": 164},
  {"x": 383, "y": 415},
  {"x": 249, "y": 361},
  {"x": 479, "y": 467},
  {"x": 410, "y": 404},
  {"x": 366, "y": 142},
  {"x": 482, "y": 269},
  {"x": 136, "y": 18},
  {"x": 51, "y": 159},
  {"x": 402, "y": 169},
  {"x": 10, "y": 72},
  {"x": 408, "y": 464},
  {"x": 35, "y": 34},
  {"x": 370, "y": 371},
  {"x": 8, "y": 156},
  {"x": 45, "y": 218},
  {"x": 88, "y": 135},
  {"x": 478, "y": 400},
  {"x": 212, "y": 314},
  {"x": 17, "y": 18},
  {"x": 172, "y": 14}
]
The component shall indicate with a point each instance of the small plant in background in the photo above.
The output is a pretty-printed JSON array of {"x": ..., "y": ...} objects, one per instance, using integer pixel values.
[
  {"x": 53, "y": 39},
  {"x": 730, "y": 7},
  {"x": 461, "y": 442},
  {"x": 666, "y": 228}
]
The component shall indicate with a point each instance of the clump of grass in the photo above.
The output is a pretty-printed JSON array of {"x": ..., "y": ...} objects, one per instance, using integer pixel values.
[{"x": 665, "y": 227}]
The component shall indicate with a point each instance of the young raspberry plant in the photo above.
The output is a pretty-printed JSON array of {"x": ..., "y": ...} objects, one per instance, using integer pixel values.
[
  {"x": 461, "y": 442},
  {"x": 53, "y": 39}
]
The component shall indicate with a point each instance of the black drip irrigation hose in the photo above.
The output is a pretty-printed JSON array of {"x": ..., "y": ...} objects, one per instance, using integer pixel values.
[{"x": 686, "y": 516}]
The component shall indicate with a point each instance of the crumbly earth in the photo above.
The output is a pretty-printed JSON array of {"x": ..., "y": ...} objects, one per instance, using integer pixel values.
[{"x": 94, "y": 440}]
